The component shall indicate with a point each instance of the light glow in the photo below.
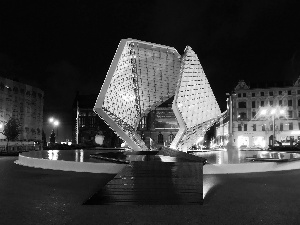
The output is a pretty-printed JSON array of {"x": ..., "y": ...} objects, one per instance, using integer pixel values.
[{"x": 263, "y": 112}]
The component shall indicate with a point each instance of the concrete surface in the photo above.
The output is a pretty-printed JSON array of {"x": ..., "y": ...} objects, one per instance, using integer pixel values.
[{"x": 37, "y": 196}]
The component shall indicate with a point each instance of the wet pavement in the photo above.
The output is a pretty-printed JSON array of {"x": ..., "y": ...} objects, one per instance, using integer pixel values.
[{"x": 37, "y": 196}]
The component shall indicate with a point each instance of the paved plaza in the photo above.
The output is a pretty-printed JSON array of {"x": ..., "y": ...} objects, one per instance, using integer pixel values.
[{"x": 38, "y": 196}]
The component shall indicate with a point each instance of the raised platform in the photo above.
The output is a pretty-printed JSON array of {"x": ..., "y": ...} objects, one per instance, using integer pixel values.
[
  {"x": 64, "y": 160},
  {"x": 81, "y": 161}
]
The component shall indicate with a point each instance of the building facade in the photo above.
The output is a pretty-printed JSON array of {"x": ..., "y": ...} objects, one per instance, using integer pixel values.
[
  {"x": 86, "y": 124},
  {"x": 159, "y": 127},
  {"x": 25, "y": 103},
  {"x": 261, "y": 112}
]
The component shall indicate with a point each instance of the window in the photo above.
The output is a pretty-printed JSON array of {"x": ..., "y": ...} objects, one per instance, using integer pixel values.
[
  {"x": 245, "y": 127},
  {"x": 253, "y": 114},
  {"x": 262, "y": 93},
  {"x": 253, "y": 104},
  {"x": 271, "y": 103},
  {"x": 289, "y": 92},
  {"x": 263, "y": 127},
  {"x": 271, "y": 93},
  {"x": 271, "y": 127},
  {"x": 254, "y": 127},
  {"x": 280, "y": 102},
  {"x": 290, "y": 113},
  {"x": 242, "y": 116},
  {"x": 160, "y": 139},
  {"x": 299, "y": 115},
  {"x": 299, "y": 126},
  {"x": 239, "y": 95},
  {"x": 299, "y": 102},
  {"x": 279, "y": 92},
  {"x": 262, "y": 103},
  {"x": 253, "y": 94},
  {"x": 242, "y": 105},
  {"x": 171, "y": 138},
  {"x": 244, "y": 94},
  {"x": 290, "y": 125},
  {"x": 143, "y": 122},
  {"x": 290, "y": 102},
  {"x": 239, "y": 127},
  {"x": 281, "y": 127},
  {"x": 298, "y": 92}
]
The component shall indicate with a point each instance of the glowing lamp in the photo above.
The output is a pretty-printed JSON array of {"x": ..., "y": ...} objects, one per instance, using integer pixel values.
[
  {"x": 273, "y": 111},
  {"x": 51, "y": 120},
  {"x": 282, "y": 111},
  {"x": 263, "y": 112}
]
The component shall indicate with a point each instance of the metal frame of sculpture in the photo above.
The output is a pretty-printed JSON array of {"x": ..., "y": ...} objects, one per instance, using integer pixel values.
[{"x": 143, "y": 75}]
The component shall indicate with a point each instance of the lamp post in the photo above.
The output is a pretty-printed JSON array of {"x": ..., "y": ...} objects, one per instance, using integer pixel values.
[
  {"x": 55, "y": 123},
  {"x": 273, "y": 113}
]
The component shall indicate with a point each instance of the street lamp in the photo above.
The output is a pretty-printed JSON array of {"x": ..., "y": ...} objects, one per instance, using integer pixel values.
[
  {"x": 272, "y": 112},
  {"x": 55, "y": 123}
]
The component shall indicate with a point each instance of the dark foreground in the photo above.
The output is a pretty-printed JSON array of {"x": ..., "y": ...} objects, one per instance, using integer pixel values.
[{"x": 37, "y": 196}]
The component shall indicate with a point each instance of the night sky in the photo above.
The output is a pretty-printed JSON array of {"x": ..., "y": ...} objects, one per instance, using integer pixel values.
[{"x": 64, "y": 46}]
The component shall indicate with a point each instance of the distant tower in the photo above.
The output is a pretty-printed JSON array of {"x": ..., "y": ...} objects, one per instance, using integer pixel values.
[{"x": 52, "y": 137}]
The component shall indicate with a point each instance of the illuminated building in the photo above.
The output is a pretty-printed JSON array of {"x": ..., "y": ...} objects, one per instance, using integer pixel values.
[
  {"x": 250, "y": 129},
  {"x": 159, "y": 126},
  {"x": 24, "y": 103},
  {"x": 85, "y": 122},
  {"x": 141, "y": 77}
]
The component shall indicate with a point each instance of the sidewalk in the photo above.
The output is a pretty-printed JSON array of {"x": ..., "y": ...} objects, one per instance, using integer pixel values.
[{"x": 37, "y": 196}]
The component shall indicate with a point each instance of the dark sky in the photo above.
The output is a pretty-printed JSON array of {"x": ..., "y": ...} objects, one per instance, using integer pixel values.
[{"x": 64, "y": 46}]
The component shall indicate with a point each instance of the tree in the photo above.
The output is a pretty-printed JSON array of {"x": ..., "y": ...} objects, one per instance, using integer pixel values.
[{"x": 12, "y": 129}]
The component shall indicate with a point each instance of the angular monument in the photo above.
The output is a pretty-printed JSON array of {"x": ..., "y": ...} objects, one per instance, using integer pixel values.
[
  {"x": 194, "y": 105},
  {"x": 142, "y": 76}
]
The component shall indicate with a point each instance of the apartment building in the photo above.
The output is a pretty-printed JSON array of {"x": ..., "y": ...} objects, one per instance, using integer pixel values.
[
  {"x": 263, "y": 111},
  {"x": 25, "y": 103}
]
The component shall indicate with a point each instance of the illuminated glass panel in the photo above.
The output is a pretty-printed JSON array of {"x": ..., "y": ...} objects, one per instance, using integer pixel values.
[
  {"x": 142, "y": 76},
  {"x": 194, "y": 105}
]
